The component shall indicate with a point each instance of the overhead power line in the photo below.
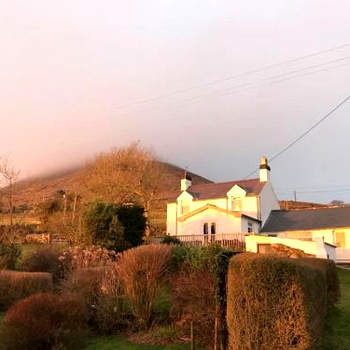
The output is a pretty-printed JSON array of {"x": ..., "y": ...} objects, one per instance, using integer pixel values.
[
  {"x": 271, "y": 80},
  {"x": 233, "y": 77},
  {"x": 299, "y": 138}
]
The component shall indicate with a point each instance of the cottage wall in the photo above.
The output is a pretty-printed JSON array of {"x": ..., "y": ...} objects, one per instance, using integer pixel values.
[
  {"x": 268, "y": 202},
  {"x": 225, "y": 223}
]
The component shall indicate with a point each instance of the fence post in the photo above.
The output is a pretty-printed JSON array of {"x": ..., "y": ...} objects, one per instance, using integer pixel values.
[{"x": 192, "y": 336}]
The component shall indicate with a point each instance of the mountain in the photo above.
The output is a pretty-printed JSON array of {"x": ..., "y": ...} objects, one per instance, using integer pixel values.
[{"x": 33, "y": 191}]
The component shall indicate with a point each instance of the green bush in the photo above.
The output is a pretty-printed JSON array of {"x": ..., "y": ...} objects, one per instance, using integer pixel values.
[
  {"x": 170, "y": 240},
  {"x": 18, "y": 285},
  {"x": 115, "y": 227},
  {"x": 44, "y": 260},
  {"x": 134, "y": 222},
  {"x": 9, "y": 254},
  {"x": 44, "y": 321},
  {"x": 275, "y": 303}
]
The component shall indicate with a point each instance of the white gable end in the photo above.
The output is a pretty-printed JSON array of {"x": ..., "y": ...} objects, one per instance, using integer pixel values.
[{"x": 236, "y": 192}]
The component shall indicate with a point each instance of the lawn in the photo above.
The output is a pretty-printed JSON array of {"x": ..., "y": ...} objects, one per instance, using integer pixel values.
[
  {"x": 114, "y": 342},
  {"x": 337, "y": 332}
]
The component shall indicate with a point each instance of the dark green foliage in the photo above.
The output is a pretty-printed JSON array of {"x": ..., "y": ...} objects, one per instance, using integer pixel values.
[
  {"x": 9, "y": 254},
  {"x": 44, "y": 260},
  {"x": 275, "y": 303},
  {"x": 44, "y": 321},
  {"x": 103, "y": 226},
  {"x": 134, "y": 223},
  {"x": 170, "y": 240},
  {"x": 115, "y": 227}
]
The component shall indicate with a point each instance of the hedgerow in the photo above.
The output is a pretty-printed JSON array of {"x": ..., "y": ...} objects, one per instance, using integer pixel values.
[
  {"x": 275, "y": 303},
  {"x": 16, "y": 285}
]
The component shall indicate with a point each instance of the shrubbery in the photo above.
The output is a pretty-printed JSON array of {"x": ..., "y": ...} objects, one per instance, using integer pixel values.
[
  {"x": 82, "y": 257},
  {"x": 199, "y": 291},
  {"x": 170, "y": 240},
  {"x": 100, "y": 291},
  {"x": 114, "y": 227},
  {"x": 44, "y": 321},
  {"x": 142, "y": 271},
  {"x": 275, "y": 303},
  {"x": 44, "y": 260},
  {"x": 9, "y": 254},
  {"x": 18, "y": 285},
  {"x": 329, "y": 270}
]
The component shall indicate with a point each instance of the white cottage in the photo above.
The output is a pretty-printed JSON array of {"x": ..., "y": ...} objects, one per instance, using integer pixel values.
[{"x": 222, "y": 208}]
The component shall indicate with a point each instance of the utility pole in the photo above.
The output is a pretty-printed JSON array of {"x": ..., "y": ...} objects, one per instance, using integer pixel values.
[{"x": 295, "y": 196}]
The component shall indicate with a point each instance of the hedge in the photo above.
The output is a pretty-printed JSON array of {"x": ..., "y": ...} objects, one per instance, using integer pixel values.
[
  {"x": 18, "y": 285},
  {"x": 275, "y": 303},
  {"x": 44, "y": 321},
  {"x": 329, "y": 269}
]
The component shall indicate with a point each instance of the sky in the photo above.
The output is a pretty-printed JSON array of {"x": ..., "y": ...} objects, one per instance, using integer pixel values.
[{"x": 209, "y": 85}]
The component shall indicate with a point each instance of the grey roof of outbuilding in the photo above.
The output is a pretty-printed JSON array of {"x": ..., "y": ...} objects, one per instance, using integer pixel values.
[
  {"x": 220, "y": 189},
  {"x": 307, "y": 219}
]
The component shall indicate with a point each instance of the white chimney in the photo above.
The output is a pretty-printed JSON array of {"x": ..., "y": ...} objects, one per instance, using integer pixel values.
[
  {"x": 186, "y": 182},
  {"x": 264, "y": 172}
]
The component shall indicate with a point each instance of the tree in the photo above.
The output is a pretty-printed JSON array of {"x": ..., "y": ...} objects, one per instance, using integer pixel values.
[
  {"x": 114, "y": 227},
  {"x": 336, "y": 202},
  {"x": 9, "y": 175},
  {"x": 131, "y": 174}
]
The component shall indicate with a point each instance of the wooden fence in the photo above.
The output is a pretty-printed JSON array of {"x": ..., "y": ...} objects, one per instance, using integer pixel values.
[{"x": 227, "y": 240}]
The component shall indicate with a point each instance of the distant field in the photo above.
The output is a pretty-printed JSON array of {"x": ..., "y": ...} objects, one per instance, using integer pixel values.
[{"x": 19, "y": 219}]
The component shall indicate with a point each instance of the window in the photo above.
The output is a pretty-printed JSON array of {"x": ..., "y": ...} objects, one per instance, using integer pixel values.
[
  {"x": 236, "y": 204},
  {"x": 250, "y": 227},
  {"x": 205, "y": 229},
  {"x": 213, "y": 228}
]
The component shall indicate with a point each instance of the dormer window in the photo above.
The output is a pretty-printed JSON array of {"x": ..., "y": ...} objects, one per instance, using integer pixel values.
[{"x": 236, "y": 204}]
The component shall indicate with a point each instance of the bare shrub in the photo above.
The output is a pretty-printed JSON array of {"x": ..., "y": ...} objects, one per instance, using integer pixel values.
[
  {"x": 44, "y": 321},
  {"x": 100, "y": 290},
  {"x": 18, "y": 285},
  {"x": 194, "y": 300},
  {"x": 274, "y": 303},
  {"x": 80, "y": 257},
  {"x": 142, "y": 271}
]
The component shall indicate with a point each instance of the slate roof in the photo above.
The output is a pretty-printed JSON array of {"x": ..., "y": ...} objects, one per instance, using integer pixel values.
[
  {"x": 307, "y": 219},
  {"x": 220, "y": 189}
]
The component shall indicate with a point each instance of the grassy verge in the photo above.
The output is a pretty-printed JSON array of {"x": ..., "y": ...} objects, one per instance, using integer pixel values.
[
  {"x": 113, "y": 342},
  {"x": 337, "y": 332}
]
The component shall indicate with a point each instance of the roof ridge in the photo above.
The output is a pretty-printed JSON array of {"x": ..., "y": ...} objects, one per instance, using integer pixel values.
[
  {"x": 314, "y": 208},
  {"x": 225, "y": 182}
]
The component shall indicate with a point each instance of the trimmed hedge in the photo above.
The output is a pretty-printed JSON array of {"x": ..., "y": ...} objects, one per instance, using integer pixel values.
[
  {"x": 18, "y": 285},
  {"x": 329, "y": 269},
  {"x": 275, "y": 303}
]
